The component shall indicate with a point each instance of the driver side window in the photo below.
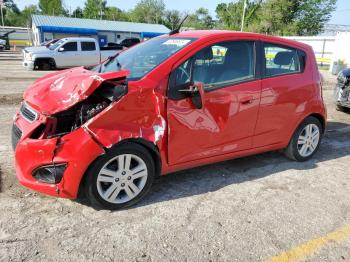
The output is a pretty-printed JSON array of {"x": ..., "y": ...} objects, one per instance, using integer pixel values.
[
  {"x": 71, "y": 46},
  {"x": 182, "y": 74},
  {"x": 220, "y": 65}
]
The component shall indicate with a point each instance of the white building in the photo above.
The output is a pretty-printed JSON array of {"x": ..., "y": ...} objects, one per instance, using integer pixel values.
[{"x": 50, "y": 27}]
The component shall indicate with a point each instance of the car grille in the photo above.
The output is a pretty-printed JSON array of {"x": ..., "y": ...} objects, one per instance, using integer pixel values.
[
  {"x": 16, "y": 136},
  {"x": 29, "y": 114}
]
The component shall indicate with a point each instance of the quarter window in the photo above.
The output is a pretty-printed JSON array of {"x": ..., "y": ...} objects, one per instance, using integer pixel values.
[
  {"x": 281, "y": 60},
  {"x": 71, "y": 46},
  {"x": 88, "y": 46}
]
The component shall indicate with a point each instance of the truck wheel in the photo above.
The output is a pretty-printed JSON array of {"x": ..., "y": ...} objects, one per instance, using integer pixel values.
[
  {"x": 121, "y": 177},
  {"x": 305, "y": 141}
]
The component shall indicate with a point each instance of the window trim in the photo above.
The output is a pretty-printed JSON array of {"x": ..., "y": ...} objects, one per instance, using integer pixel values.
[
  {"x": 81, "y": 46},
  {"x": 256, "y": 63},
  {"x": 76, "y": 42},
  {"x": 263, "y": 59}
]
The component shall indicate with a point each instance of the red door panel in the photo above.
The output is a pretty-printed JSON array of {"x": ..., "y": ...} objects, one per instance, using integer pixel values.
[
  {"x": 225, "y": 124},
  {"x": 283, "y": 102}
]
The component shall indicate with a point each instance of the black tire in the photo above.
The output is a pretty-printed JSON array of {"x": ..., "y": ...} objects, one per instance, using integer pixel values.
[
  {"x": 45, "y": 64},
  {"x": 342, "y": 108},
  {"x": 91, "y": 188},
  {"x": 292, "y": 151}
]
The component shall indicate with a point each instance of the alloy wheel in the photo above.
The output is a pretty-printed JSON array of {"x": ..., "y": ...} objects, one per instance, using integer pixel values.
[
  {"x": 308, "y": 140},
  {"x": 122, "y": 178}
]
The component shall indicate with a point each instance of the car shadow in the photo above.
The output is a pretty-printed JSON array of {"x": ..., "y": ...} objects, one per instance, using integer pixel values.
[{"x": 210, "y": 178}]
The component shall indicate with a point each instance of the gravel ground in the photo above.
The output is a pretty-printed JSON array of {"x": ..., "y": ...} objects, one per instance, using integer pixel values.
[{"x": 248, "y": 209}]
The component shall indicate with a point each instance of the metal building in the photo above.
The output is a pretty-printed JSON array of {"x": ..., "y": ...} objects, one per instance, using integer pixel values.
[{"x": 50, "y": 27}]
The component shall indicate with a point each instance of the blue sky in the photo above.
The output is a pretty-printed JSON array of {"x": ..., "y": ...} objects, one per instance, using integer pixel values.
[{"x": 340, "y": 16}]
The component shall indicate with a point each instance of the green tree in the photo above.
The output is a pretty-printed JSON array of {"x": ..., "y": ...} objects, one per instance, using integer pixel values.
[
  {"x": 313, "y": 15},
  {"x": 116, "y": 14},
  {"x": 172, "y": 18},
  {"x": 21, "y": 18},
  {"x": 200, "y": 19},
  {"x": 278, "y": 17},
  {"x": 148, "y": 11},
  {"x": 95, "y": 9},
  {"x": 52, "y": 7},
  {"x": 230, "y": 15},
  {"x": 78, "y": 13}
]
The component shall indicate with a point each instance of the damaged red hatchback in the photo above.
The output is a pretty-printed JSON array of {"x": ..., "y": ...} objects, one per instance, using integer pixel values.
[{"x": 170, "y": 103}]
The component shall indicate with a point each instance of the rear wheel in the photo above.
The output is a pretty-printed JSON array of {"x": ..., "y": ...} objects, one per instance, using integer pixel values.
[
  {"x": 305, "y": 141},
  {"x": 120, "y": 178}
]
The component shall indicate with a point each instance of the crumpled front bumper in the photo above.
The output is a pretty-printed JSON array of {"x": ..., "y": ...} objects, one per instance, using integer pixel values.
[{"x": 77, "y": 150}]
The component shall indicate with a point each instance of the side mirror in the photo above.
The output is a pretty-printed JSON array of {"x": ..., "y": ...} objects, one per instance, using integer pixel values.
[
  {"x": 197, "y": 94},
  {"x": 61, "y": 49}
]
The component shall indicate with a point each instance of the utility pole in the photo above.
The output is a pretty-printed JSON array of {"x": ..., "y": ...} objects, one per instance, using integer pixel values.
[
  {"x": 2, "y": 14},
  {"x": 243, "y": 15}
]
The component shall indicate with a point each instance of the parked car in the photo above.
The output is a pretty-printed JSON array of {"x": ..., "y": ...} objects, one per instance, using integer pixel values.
[
  {"x": 65, "y": 53},
  {"x": 342, "y": 90},
  {"x": 2, "y": 44},
  {"x": 129, "y": 42},
  {"x": 5, "y": 37},
  {"x": 171, "y": 103}
]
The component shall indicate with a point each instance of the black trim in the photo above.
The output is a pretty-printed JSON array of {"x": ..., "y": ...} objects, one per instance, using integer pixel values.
[{"x": 259, "y": 60}]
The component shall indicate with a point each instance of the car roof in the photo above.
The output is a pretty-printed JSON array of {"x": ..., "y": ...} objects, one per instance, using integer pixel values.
[{"x": 202, "y": 34}]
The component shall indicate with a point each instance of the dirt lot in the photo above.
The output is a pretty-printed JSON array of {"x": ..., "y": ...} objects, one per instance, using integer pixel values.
[{"x": 249, "y": 209}]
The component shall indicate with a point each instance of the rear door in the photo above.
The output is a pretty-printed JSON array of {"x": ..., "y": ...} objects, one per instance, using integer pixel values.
[
  {"x": 227, "y": 120},
  {"x": 284, "y": 93},
  {"x": 89, "y": 53}
]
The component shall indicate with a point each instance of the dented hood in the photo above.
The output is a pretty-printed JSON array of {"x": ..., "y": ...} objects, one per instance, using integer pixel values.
[{"x": 59, "y": 91}]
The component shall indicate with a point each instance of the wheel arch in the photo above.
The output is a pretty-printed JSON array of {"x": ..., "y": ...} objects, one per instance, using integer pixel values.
[
  {"x": 320, "y": 118},
  {"x": 149, "y": 146},
  {"x": 44, "y": 59}
]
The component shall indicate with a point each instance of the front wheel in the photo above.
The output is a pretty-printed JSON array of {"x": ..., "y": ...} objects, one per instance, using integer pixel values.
[
  {"x": 121, "y": 177},
  {"x": 305, "y": 141}
]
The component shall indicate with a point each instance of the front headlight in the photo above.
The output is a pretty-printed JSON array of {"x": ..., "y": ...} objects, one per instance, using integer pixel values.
[{"x": 30, "y": 56}]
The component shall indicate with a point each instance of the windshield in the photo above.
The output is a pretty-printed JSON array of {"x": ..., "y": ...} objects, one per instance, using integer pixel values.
[
  {"x": 55, "y": 45},
  {"x": 144, "y": 57}
]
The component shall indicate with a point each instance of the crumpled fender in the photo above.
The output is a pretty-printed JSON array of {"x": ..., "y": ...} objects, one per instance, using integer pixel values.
[
  {"x": 139, "y": 114},
  {"x": 60, "y": 91}
]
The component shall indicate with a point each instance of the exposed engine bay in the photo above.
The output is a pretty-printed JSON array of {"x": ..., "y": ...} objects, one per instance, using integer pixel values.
[{"x": 71, "y": 119}]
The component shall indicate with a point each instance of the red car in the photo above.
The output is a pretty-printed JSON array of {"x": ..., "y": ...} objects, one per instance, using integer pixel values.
[{"x": 170, "y": 103}]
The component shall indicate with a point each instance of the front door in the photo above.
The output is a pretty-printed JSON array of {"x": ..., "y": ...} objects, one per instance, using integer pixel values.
[
  {"x": 227, "y": 120},
  {"x": 67, "y": 55}
]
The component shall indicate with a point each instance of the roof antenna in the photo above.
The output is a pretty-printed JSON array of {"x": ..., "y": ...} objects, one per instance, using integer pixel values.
[{"x": 175, "y": 31}]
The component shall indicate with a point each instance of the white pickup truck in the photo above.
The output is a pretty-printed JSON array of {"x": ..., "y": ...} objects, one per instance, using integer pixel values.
[{"x": 67, "y": 52}]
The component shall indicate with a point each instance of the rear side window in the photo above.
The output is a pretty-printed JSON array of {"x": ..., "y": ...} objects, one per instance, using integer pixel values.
[
  {"x": 71, "y": 46},
  {"x": 282, "y": 60},
  {"x": 88, "y": 46}
]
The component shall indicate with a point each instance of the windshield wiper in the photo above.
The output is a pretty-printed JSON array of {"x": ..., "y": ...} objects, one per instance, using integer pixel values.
[{"x": 110, "y": 59}]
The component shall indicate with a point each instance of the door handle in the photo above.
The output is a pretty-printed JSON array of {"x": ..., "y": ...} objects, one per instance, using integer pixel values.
[{"x": 246, "y": 100}]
